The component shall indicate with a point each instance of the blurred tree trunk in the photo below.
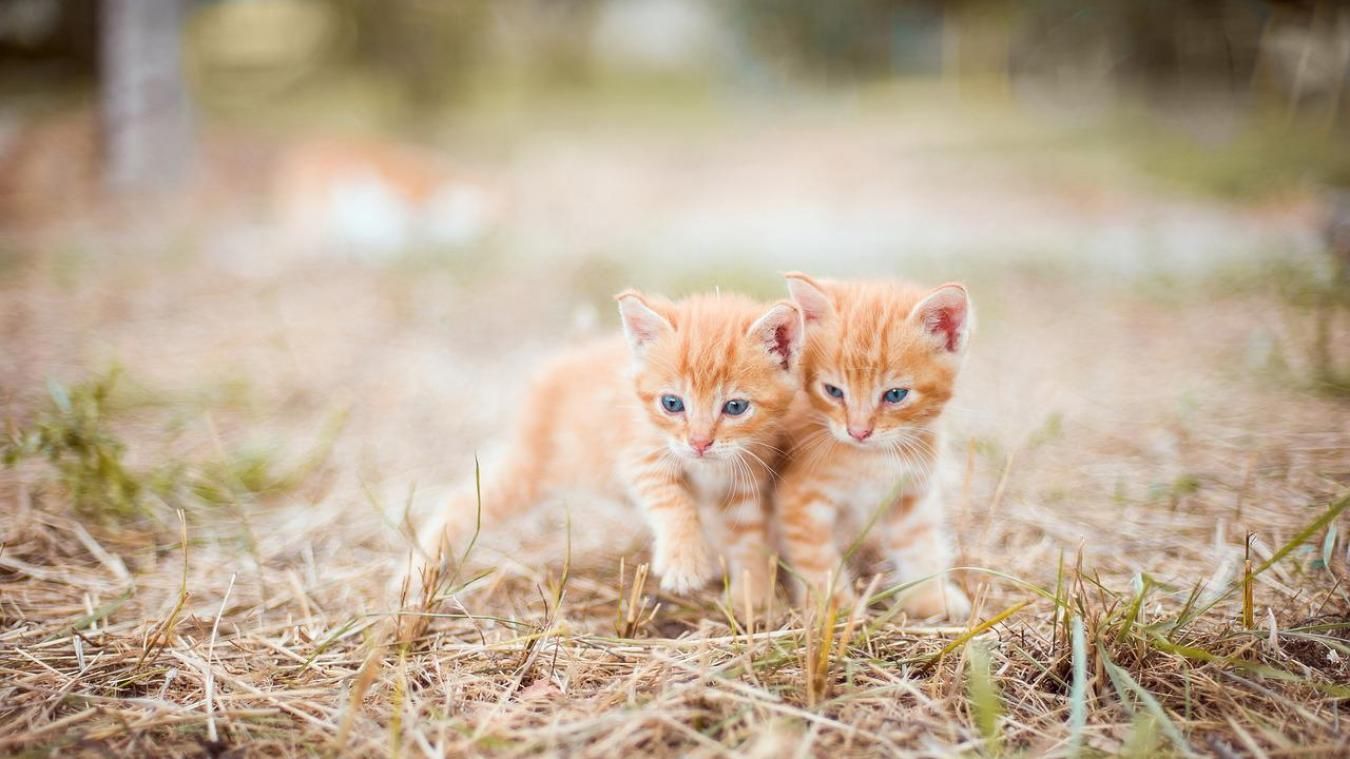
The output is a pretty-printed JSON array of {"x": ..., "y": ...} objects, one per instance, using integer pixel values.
[{"x": 146, "y": 120}]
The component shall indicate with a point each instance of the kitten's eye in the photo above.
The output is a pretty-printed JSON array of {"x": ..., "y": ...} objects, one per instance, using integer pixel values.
[
  {"x": 895, "y": 394},
  {"x": 735, "y": 407},
  {"x": 672, "y": 404},
  {"x": 833, "y": 391}
]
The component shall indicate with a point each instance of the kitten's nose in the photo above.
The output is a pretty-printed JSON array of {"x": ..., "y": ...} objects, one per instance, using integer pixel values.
[
  {"x": 859, "y": 435},
  {"x": 700, "y": 445}
]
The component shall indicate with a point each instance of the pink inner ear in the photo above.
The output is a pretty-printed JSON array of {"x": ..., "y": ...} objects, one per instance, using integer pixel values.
[
  {"x": 782, "y": 345},
  {"x": 643, "y": 331},
  {"x": 946, "y": 321},
  {"x": 814, "y": 303},
  {"x": 642, "y": 324}
]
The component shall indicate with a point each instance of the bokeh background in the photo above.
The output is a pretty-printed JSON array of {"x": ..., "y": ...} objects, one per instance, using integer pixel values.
[
  {"x": 283, "y": 268},
  {"x": 511, "y": 164}
]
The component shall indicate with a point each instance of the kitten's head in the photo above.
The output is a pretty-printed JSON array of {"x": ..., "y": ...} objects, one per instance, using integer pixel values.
[
  {"x": 714, "y": 373},
  {"x": 881, "y": 357}
]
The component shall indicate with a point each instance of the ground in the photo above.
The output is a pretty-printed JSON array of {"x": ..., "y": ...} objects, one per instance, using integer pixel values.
[{"x": 215, "y": 445}]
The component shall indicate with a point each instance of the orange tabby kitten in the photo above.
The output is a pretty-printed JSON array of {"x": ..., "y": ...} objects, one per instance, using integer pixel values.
[
  {"x": 879, "y": 365},
  {"x": 681, "y": 420}
]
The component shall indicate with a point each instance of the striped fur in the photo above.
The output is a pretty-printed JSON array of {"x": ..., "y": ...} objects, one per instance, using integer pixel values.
[
  {"x": 853, "y": 454},
  {"x": 594, "y": 421}
]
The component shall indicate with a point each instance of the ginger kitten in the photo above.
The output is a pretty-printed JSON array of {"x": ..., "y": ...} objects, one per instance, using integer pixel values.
[
  {"x": 684, "y": 420},
  {"x": 879, "y": 365}
]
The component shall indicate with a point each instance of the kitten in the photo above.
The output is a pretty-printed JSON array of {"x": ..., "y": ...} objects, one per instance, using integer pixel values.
[
  {"x": 879, "y": 365},
  {"x": 684, "y": 420}
]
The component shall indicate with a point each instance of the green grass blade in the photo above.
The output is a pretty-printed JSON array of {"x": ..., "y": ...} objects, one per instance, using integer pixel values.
[
  {"x": 961, "y": 639},
  {"x": 985, "y": 703},
  {"x": 1132, "y": 613},
  {"x": 1125, "y": 684},
  {"x": 1078, "y": 691},
  {"x": 1333, "y": 511}
]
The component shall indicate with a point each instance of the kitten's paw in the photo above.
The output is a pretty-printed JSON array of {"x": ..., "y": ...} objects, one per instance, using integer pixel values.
[
  {"x": 683, "y": 566},
  {"x": 937, "y": 598},
  {"x": 757, "y": 588}
]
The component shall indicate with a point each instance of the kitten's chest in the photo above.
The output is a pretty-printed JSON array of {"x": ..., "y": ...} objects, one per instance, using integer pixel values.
[
  {"x": 864, "y": 483},
  {"x": 710, "y": 482}
]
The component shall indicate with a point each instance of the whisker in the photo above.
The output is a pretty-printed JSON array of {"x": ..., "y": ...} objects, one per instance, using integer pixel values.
[{"x": 762, "y": 462}]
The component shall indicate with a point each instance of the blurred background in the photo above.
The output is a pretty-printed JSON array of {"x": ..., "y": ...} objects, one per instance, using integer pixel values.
[
  {"x": 250, "y": 235},
  {"x": 746, "y": 134},
  {"x": 281, "y": 269}
]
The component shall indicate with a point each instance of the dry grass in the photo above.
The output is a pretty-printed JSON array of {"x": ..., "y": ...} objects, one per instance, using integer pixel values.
[
  {"x": 1148, "y": 492},
  {"x": 1104, "y": 534}
]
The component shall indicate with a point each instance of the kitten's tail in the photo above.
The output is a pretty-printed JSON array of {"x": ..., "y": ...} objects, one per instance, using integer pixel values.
[{"x": 479, "y": 505}]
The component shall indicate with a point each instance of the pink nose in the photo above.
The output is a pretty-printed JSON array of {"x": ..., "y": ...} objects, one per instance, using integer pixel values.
[
  {"x": 700, "y": 446},
  {"x": 859, "y": 435}
]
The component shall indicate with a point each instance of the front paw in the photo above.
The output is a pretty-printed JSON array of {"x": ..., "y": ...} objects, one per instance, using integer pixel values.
[
  {"x": 683, "y": 565},
  {"x": 937, "y": 598},
  {"x": 756, "y": 588}
]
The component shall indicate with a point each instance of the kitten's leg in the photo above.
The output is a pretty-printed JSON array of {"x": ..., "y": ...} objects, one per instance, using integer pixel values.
[
  {"x": 745, "y": 541},
  {"x": 917, "y": 542},
  {"x": 806, "y": 518},
  {"x": 679, "y": 552}
]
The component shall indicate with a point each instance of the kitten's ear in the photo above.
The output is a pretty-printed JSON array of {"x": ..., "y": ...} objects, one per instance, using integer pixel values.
[
  {"x": 814, "y": 302},
  {"x": 641, "y": 325},
  {"x": 946, "y": 315},
  {"x": 780, "y": 332}
]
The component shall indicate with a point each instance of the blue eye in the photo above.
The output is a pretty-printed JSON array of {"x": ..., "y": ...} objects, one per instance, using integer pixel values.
[
  {"x": 672, "y": 404},
  {"x": 833, "y": 391},
  {"x": 735, "y": 407},
  {"x": 895, "y": 394}
]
